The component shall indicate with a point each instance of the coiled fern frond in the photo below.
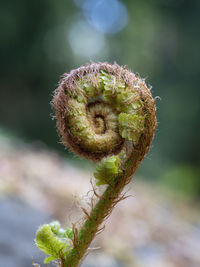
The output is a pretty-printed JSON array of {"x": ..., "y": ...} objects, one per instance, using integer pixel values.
[{"x": 106, "y": 114}]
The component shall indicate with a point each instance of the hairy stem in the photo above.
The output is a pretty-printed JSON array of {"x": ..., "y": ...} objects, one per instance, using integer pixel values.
[
  {"x": 92, "y": 224},
  {"x": 101, "y": 210}
]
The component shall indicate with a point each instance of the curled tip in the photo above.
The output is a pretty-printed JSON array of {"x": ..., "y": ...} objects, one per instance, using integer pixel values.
[{"x": 101, "y": 106}]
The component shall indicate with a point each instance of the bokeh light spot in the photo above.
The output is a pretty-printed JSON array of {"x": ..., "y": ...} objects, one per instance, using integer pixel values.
[
  {"x": 84, "y": 40},
  {"x": 107, "y": 16}
]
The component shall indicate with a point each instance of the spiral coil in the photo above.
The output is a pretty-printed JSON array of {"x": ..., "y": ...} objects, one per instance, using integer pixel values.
[{"x": 99, "y": 106}]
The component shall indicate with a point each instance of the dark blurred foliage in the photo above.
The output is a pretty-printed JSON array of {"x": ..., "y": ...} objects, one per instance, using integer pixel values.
[{"x": 158, "y": 38}]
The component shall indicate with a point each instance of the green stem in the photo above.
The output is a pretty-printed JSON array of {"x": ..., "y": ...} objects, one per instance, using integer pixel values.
[{"x": 102, "y": 209}]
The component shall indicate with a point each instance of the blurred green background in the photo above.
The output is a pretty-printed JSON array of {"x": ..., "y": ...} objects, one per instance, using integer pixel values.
[{"x": 159, "y": 39}]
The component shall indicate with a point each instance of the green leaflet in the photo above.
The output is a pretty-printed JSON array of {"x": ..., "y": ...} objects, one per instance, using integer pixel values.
[
  {"x": 131, "y": 126},
  {"x": 60, "y": 232},
  {"x": 90, "y": 85},
  {"x": 111, "y": 86},
  {"x": 107, "y": 170},
  {"x": 49, "y": 259},
  {"x": 50, "y": 243},
  {"x": 127, "y": 103},
  {"x": 55, "y": 227},
  {"x": 116, "y": 92}
]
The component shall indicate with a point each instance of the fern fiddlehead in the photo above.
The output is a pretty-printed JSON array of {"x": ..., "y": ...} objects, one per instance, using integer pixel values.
[{"x": 106, "y": 114}]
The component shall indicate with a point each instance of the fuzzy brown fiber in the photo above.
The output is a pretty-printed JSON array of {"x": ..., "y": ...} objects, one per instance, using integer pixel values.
[{"x": 68, "y": 83}]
